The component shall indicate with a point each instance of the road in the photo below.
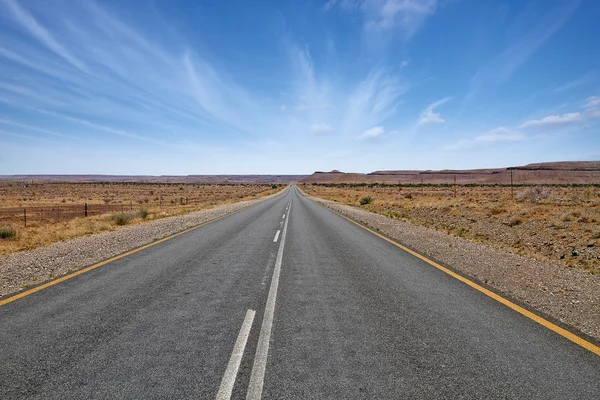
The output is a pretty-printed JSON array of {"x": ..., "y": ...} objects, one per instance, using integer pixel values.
[{"x": 283, "y": 300}]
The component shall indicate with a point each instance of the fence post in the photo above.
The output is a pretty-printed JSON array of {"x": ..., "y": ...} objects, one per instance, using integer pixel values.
[
  {"x": 454, "y": 185},
  {"x": 25, "y": 216},
  {"x": 512, "y": 192},
  {"x": 85, "y": 209},
  {"x": 130, "y": 205}
]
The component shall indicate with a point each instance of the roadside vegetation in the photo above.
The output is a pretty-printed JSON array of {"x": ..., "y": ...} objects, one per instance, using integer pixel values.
[
  {"x": 137, "y": 202},
  {"x": 7, "y": 232},
  {"x": 557, "y": 223}
]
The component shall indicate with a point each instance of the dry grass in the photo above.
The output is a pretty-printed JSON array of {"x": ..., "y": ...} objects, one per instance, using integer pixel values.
[
  {"x": 140, "y": 202},
  {"x": 554, "y": 223}
]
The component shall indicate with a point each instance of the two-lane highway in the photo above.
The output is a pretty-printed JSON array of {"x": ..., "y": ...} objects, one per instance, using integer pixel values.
[{"x": 282, "y": 300}]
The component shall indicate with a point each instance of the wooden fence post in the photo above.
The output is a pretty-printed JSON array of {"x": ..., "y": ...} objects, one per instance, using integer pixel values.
[
  {"x": 25, "y": 216},
  {"x": 85, "y": 209}
]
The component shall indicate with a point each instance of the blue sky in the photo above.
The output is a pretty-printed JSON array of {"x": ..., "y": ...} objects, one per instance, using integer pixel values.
[{"x": 198, "y": 87}]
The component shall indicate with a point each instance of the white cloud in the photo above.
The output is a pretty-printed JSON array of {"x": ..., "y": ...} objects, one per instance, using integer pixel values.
[
  {"x": 553, "y": 121},
  {"x": 429, "y": 117},
  {"x": 405, "y": 63},
  {"x": 321, "y": 129},
  {"x": 283, "y": 107},
  {"x": 592, "y": 113},
  {"x": 496, "y": 135},
  {"x": 500, "y": 134},
  {"x": 591, "y": 110},
  {"x": 372, "y": 133},
  {"x": 406, "y": 15},
  {"x": 592, "y": 102}
]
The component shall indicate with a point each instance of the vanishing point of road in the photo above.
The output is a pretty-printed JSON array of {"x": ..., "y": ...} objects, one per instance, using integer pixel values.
[{"x": 284, "y": 300}]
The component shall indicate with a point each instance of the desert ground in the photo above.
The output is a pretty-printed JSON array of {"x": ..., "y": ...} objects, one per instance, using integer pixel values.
[
  {"x": 57, "y": 209},
  {"x": 557, "y": 223}
]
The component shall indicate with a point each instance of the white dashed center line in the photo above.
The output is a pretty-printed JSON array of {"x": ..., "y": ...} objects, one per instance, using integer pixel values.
[
  {"x": 257, "y": 376},
  {"x": 236, "y": 358}
]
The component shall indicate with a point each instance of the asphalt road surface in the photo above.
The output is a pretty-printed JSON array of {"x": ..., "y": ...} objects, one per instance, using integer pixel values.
[{"x": 284, "y": 300}]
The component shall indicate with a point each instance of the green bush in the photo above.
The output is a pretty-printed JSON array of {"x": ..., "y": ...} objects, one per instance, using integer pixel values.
[
  {"x": 7, "y": 232},
  {"x": 274, "y": 186},
  {"x": 143, "y": 213},
  {"x": 366, "y": 200},
  {"x": 120, "y": 219}
]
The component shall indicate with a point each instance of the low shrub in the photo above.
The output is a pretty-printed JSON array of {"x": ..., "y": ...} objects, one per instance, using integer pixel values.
[
  {"x": 143, "y": 213},
  {"x": 7, "y": 232},
  {"x": 515, "y": 221},
  {"x": 366, "y": 200},
  {"x": 120, "y": 219},
  {"x": 533, "y": 194},
  {"x": 496, "y": 210}
]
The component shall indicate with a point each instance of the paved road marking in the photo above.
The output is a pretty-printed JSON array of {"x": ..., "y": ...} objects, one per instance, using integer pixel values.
[
  {"x": 276, "y": 236},
  {"x": 236, "y": 358},
  {"x": 542, "y": 321},
  {"x": 283, "y": 216},
  {"x": 257, "y": 376}
]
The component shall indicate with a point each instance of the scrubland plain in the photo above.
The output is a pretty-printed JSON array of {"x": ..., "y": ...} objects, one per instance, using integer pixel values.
[
  {"x": 557, "y": 223},
  {"x": 130, "y": 202}
]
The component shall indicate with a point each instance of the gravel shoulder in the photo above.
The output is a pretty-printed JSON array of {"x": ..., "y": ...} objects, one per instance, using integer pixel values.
[
  {"x": 28, "y": 268},
  {"x": 568, "y": 295}
]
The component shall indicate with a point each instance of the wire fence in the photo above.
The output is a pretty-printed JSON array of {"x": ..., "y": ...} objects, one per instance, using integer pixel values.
[{"x": 55, "y": 213}]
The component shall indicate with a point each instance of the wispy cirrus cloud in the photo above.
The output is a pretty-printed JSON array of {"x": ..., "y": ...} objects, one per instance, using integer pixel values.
[
  {"x": 535, "y": 29},
  {"x": 31, "y": 26},
  {"x": 106, "y": 68},
  {"x": 355, "y": 106},
  {"x": 582, "y": 80},
  {"x": 381, "y": 15}
]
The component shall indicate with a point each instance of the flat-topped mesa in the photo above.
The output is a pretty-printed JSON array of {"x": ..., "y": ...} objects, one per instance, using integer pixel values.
[
  {"x": 566, "y": 172},
  {"x": 563, "y": 166}
]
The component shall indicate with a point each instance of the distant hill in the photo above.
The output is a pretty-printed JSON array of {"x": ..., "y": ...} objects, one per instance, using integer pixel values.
[
  {"x": 159, "y": 179},
  {"x": 567, "y": 172}
]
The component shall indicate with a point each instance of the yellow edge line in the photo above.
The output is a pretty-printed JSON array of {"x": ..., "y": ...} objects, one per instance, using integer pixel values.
[
  {"x": 542, "y": 321},
  {"x": 91, "y": 267}
]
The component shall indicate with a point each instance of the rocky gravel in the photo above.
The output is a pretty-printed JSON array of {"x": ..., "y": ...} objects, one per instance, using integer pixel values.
[
  {"x": 27, "y": 268},
  {"x": 568, "y": 295}
]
